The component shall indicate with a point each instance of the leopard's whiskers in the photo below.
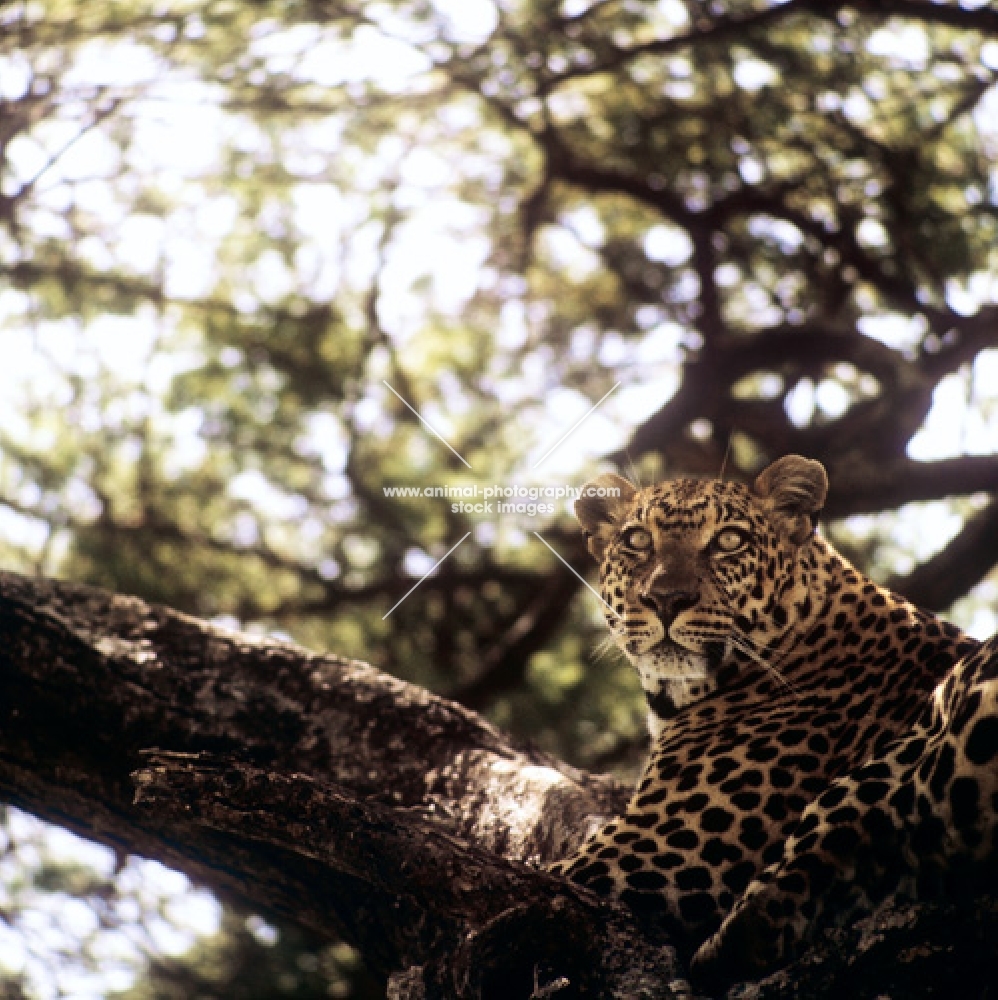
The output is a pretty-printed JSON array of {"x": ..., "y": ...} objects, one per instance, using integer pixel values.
[
  {"x": 634, "y": 470},
  {"x": 727, "y": 453},
  {"x": 745, "y": 645}
]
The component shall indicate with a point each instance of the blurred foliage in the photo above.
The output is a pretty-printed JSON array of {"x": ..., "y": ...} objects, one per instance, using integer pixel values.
[
  {"x": 242, "y": 244},
  {"x": 247, "y": 960},
  {"x": 79, "y": 921}
]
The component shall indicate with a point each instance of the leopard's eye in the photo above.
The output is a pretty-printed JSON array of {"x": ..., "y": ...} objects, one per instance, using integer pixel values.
[
  {"x": 729, "y": 540},
  {"x": 637, "y": 539}
]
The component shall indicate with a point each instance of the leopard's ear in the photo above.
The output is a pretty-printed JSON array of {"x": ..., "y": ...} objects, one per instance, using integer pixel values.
[
  {"x": 793, "y": 489},
  {"x": 600, "y": 507}
]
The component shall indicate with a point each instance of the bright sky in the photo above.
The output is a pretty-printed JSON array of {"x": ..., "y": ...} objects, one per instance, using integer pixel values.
[{"x": 68, "y": 948}]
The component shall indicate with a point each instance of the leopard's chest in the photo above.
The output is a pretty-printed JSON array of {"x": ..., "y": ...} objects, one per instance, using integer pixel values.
[{"x": 728, "y": 779}]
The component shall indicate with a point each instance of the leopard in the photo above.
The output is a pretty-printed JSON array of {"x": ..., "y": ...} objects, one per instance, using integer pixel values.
[{"x": 818, "y": 742}]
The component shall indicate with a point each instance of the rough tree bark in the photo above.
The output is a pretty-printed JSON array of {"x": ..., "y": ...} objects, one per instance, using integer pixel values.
[{"x": 361, "y": 806}]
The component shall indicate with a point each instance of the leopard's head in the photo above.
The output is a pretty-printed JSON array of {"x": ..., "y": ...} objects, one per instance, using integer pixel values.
[{"x": 703, "y": 577}]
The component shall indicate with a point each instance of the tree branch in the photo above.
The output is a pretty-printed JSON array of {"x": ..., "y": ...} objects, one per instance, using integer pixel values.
[
  {"x": 860, "y": 487},
  {"x": 962, "y": 564},
  {"x": 360, "y": 806},
  {"x": 506, "y": 662},
  {"x": 90, "y": 681},
  {"x": 442, "y": 885}
]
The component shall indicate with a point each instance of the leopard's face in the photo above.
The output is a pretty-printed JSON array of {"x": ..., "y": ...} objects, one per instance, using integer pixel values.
[
  {"x": 696, "y": 572},
  {"x": 700, "y": 577}
]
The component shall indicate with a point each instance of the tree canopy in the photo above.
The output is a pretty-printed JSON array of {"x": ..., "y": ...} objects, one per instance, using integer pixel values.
[{"x": 262, "y": 262}]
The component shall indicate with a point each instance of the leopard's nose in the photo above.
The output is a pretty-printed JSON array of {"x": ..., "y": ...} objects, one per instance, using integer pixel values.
[{"x": 668, "y": 603}]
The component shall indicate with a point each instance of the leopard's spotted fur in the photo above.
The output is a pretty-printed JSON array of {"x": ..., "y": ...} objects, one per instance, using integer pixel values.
[{"x": 798, "y": 719}]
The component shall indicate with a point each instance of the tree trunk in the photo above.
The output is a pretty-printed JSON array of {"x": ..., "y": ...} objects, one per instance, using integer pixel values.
[{"x": 323, "y": 790}]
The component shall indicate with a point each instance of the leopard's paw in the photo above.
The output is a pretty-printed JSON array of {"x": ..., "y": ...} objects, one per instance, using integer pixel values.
[{"x": 758, "y": 935}]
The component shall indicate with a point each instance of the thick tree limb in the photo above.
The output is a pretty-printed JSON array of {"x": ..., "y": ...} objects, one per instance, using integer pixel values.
[
  {"x": 904, "y": 950},
  {"x": 457, "y": 892},
  {"x": 361, "y": 806},
  {"x": 90, "y": 681},
  {"x": 331, "y": 827}
]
